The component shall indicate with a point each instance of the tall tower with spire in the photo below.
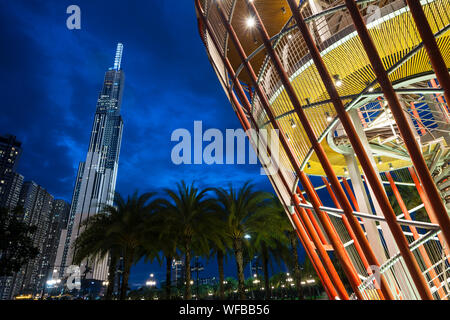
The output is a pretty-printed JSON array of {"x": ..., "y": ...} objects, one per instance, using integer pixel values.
[{"x": 96, "y": 178}]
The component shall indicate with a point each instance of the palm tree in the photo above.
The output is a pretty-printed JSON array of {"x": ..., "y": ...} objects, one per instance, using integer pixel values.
[
  {"x": 189, "y": 213},
  {"x": 118, "y": 229},
  {"x": 164, "y": 247},
  {"x": 286, "y": 250},
  {"x": 220, "y": 247},
  {"x": 294, "y": 264},
  {"x": 93, "y": 245},
  {"x": 270, "y": 226},
  {"x": 230, "y": 284},
  {"x": 239, "y": 206}
]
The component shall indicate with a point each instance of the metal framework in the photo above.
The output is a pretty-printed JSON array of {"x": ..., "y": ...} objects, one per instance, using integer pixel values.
[{"x": 358, "y": 91}]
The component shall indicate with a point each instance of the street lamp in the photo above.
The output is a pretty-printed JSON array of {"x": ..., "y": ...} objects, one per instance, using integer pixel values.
[{"x": 152, "y": 281}]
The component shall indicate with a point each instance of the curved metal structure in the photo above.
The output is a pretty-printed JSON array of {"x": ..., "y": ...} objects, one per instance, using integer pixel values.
[{"x": 359, "y": 99}]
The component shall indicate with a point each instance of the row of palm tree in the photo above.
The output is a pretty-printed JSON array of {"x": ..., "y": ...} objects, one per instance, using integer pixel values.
[{"x": 186, "y": 222}]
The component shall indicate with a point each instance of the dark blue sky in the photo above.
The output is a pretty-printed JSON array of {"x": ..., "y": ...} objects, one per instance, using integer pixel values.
[{"x": 50, "y": 78}]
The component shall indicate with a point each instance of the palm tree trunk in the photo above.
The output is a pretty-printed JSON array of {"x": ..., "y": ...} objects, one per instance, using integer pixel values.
[
  {"x": 127, "y": 261},
  {"x": 168, "y": 276},
  {"x": 111, "y": 275},
  {"x": 221, "y": 275},
  {"x": 187, "y": 268},
  {"x": 265, "y": 261},
  {"x": 237, "y": 243},
  {"x": 296, "y": 266}
]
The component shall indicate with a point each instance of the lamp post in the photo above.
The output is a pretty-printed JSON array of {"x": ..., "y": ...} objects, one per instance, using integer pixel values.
[{"x": 151, "y": 282}]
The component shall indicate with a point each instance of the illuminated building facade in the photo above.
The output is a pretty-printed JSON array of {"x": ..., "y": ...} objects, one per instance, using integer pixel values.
[
  {"x": 358, "y": 91},
  {"x": 96, "y": 179}
]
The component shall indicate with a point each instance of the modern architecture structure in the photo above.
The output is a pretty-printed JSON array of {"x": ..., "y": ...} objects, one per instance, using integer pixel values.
[
  {"x": 49, "y": 216},
  {"x": 358, "y": 92},
  {"x": 10, "y": 180},
  {"x": 39, "y": 209},
  {"x": 58, "y": 223},
  {"x": 96, "y": 178},
  {"x": 37, "y": 204}
]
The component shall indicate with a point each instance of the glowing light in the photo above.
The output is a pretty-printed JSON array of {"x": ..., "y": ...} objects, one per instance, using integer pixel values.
[
  {"x": 329, "y": 118},
  {"x": 337, "y": 80},
  {"x": 251, "y": 22},
  {"x": 293, "y": 124}
]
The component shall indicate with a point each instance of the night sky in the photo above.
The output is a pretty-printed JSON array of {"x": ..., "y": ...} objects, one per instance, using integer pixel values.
[{"x": 50, "y": 78}]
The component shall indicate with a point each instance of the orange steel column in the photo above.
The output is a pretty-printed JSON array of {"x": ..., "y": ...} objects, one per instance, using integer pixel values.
[
  {"x": 351, "y": 233},
  {"x": 329, "y": 287},
  {"x": 430, "y": 44},
  {"x": 315, "y": 144},
  {"x": 312, "y": 218},
  {"x": 425, "y": 202},
  {"x": 364, "y": 160},
  {"x": 328, "y": 264},
  {"x": 405, "y": 130},
  {"x": 347, "y": 226},
  {"x": 422, "y": 250},
  {"x": 301, "y": 231},
  {"x": 322, "y": 252},
  {"x": 340, "y": 251},
  {"x": 350, "y": 193},
  {"x": 332, "y": 235}
]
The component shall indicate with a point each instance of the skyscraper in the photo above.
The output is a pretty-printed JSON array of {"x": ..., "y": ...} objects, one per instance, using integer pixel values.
[
  {"x": 96, "y": 178},
  {"x": 58, "y": 222},
  {"x": 10, "y": 180},
  {"x": 37, "y": 204}
]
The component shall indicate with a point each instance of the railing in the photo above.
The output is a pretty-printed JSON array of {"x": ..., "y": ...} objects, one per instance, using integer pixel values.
[{"x": 441, "y": 267}]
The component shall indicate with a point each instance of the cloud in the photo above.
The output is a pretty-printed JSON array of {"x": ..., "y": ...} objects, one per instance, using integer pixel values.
[{"x": 51, "y": 76}]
